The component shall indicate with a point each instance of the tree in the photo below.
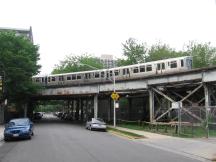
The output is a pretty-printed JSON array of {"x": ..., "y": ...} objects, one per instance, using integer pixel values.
[
  {"x": 161, "y": 51},
  {"x": 18, "y": 62},
  {"x": 204, "y": 55},
  {"x": 74, "y": 63},
  {"x": 134, "y": 52}
]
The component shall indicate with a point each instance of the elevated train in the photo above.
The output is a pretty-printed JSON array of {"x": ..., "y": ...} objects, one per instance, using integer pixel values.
[{"x": 172, "y": 65}]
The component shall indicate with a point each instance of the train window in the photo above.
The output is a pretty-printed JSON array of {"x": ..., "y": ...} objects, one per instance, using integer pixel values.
[
  {"x": 110, "y": 73},
  {"x": 53, "y": 79},
  {"x": 182, "y": 63},
  {"x": 148, "y": 68},
  {"x": 173, "y": 64},
  {"x": 78, "y": 76},
  {"x": 116, "y": 72},
  {"x": 127, "y": 71},
  {"x": 61, "y": 78},
  {"x": 48, "y": 79},
  {"x": 73, "y": 77},
  {"x": 68, "y": 77},
  {"x": 97, "y": 75},
  {"x": 102, "y": 74},
  {"x": 135, "y": 70},
  {"x": 124, "y": 71},
  {"x": 163, "y": 65},
  {"x": 158, "y": 66},
  {"x": 87, "y": 75},
  {"x": 142, "y": 68}
]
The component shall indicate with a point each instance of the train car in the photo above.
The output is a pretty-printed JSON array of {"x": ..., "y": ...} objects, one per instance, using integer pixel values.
[{"x": 171, "y": 65}]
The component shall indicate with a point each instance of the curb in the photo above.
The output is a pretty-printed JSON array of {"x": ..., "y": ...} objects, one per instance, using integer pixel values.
[{"x": 124, "y": 135}]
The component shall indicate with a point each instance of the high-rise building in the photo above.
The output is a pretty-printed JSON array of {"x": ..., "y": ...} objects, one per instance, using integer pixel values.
[
  {"x": 24, "y": 32},
  {"x": 107, "y": 61}
]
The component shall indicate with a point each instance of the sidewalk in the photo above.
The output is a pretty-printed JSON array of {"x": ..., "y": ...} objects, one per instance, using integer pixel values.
[{"x": 195, "y": 148}]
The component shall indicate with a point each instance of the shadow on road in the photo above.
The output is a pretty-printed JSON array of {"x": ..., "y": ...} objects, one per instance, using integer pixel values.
[{"x": 51, "y": 119}]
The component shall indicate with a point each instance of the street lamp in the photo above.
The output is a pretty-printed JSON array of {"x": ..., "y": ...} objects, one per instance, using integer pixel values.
[{"x": 114, "y": 90}]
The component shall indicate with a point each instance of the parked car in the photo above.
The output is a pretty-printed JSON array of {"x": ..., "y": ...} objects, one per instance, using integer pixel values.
[
  {"x": 96, "y": 124},
  {"x": 38, "y": 115},
  {"x": 59, "y": 114},
  {"x": 18, "y": 128}
]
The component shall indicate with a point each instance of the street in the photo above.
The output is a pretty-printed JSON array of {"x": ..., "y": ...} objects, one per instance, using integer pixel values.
[{"x": 58, "y": 141}]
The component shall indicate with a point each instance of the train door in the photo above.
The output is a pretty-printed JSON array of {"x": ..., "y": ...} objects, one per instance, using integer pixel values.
[{"x": 160, "y": 68}]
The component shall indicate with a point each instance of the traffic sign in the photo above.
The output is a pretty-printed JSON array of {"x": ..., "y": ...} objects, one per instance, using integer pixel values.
[{"x": 115, "y": 96}]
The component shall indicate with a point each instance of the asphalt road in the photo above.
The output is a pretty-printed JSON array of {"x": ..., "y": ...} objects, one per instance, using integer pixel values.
[{"x": 56, "y": 141}]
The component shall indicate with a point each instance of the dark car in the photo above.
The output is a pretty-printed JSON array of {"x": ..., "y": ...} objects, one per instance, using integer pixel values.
[
  {"x": 18, "y": 128},
  {"x": 38, "y": 115}
]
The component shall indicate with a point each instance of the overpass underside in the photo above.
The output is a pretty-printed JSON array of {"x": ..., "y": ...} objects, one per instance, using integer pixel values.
[{"x": 187, "y": 96}]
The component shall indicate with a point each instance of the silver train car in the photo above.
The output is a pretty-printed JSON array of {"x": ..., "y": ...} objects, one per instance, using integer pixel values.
[{"x": 172, "y": 65}]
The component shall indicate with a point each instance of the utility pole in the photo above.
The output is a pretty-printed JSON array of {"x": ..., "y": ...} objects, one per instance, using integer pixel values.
[{"x": 114, "y": 101}]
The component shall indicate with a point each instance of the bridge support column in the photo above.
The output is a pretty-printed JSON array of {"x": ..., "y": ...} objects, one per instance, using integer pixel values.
[
  {"x": 151, "y": 105},
  {"x": 207, "y": 108},
  {"x": 96, "y": 106},
  {"x": 81, "y": 107},
  {"x": 130, "y": 116}
]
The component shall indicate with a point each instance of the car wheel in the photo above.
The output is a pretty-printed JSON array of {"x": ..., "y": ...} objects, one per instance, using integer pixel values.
[
  {"x": 29, "y": 137},
  {"x": 6, "y": 139},
  {"x": 32, "y": 134}
]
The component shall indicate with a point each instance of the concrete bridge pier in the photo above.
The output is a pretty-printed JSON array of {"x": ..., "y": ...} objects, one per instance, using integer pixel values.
[
  {"x": 95, "y": 105},
  {"x": 151, "y": 105}
]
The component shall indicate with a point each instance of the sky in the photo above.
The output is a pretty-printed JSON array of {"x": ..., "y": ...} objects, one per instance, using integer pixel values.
[{"x": 64, "y": 27}]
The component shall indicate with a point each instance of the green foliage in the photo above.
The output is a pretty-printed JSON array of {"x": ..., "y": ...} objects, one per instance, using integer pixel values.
[
  {"x": 134, "y": 52},
  {"x": 18, "y": 62},
  {"x": 75, "y": 63},
  {"x": 161, "y": 51},
  {"x": 204, "y": 55}
]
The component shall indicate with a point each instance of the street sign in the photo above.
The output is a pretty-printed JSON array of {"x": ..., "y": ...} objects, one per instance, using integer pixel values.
[{"x": 115, "y": 96}]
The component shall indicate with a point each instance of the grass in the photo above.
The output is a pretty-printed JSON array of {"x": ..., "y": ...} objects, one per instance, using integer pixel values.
[
  {"x": 125, "y": 133},
  {"x": 186, "y": 131}
]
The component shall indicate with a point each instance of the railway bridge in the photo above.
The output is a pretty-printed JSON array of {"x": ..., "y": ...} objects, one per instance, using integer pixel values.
[{"x": 153, "y": 98}]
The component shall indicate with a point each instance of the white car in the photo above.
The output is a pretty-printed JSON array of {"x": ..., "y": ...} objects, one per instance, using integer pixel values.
[{"x": 96, "y": 124}]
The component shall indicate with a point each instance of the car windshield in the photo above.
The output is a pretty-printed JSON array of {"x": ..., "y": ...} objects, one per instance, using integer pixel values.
[
  {"x": 97, "y": 120},
  {"x": 101, "y": 120},
  {"x": 18, "y": 122}
]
